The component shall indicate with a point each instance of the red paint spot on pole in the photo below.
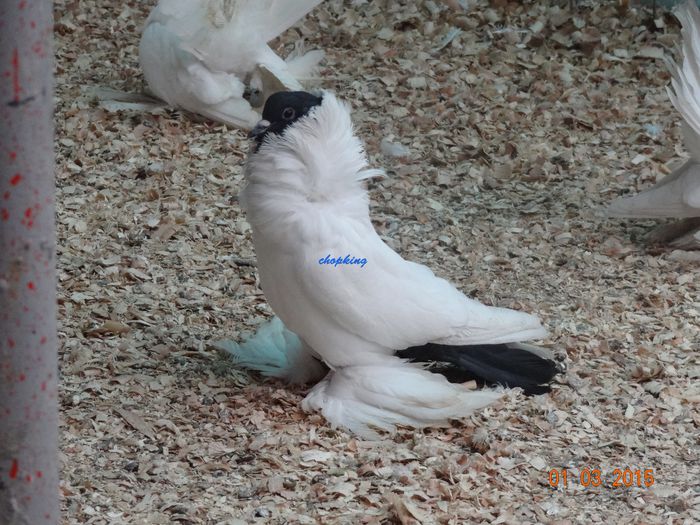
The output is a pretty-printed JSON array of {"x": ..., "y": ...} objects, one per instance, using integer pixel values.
[
  {"x": 43, "y": 340},
  {"x": 10, "y": 342},
  {"x": 4, "y": 214},
  {"x": 28, "y": 221},
  {"x": 16, "y": 179},
  {"x": 22, "y": 377},
  {"x": 14, "y": 469},
  {"x": 31, "y": 285},
  {"x": 15, "y": 74},
  {"x": 39, "y": 474}
]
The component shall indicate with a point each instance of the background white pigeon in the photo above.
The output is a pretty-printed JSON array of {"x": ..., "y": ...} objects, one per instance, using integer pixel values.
[
  {"x": 306, "y": 202},
  {"x": 678, "y": 194},
  {"x": 200, "y": 55}
]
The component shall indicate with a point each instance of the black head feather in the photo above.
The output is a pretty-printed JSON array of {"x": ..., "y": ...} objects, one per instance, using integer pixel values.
[{"x": 283, "y": 109}]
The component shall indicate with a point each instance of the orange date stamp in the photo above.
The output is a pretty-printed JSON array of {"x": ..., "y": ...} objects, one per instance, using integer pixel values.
[{"x": 594, "y": 477}]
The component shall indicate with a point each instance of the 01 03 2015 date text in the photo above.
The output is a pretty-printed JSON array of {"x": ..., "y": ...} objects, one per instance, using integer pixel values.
[{"x": 595, "y": 477}]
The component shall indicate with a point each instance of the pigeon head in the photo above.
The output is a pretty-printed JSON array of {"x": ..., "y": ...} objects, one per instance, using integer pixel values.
[{"x": 281, "y": 110}]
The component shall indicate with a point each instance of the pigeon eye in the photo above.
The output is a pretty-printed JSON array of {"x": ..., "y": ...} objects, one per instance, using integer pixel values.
[
  {"x": 255, "y": 98},
  {"x": 288, "y": 113}
]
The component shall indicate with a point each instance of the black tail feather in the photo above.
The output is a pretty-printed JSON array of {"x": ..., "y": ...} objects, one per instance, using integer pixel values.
[{"x": 501, "y": 364}]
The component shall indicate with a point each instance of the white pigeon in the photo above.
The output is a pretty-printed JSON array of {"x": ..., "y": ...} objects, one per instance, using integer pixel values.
[
  {"x": 353, "y": 301},
  {"x": 199, "y": 55},
  {"x": 678, "y": 194}
]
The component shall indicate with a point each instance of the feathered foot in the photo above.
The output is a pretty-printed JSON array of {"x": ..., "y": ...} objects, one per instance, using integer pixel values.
[{"x": 384, "y": 395}]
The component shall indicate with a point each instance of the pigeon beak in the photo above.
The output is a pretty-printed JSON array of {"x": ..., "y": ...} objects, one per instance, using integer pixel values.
[{"x": 259, "y": 129}]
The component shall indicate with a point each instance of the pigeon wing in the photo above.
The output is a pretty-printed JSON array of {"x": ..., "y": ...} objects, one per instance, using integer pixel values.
[
  {"x": 397, "y": 303},
  {"x": 277, "y": 16},
  {"x": 232, "y": 34}
]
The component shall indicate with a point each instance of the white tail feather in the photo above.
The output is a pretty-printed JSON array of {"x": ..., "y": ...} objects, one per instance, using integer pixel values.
[{"x": 234, "y": 112}]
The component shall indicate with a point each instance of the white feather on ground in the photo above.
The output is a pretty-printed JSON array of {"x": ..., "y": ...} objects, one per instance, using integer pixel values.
[{"x": 200, "y": 55}]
